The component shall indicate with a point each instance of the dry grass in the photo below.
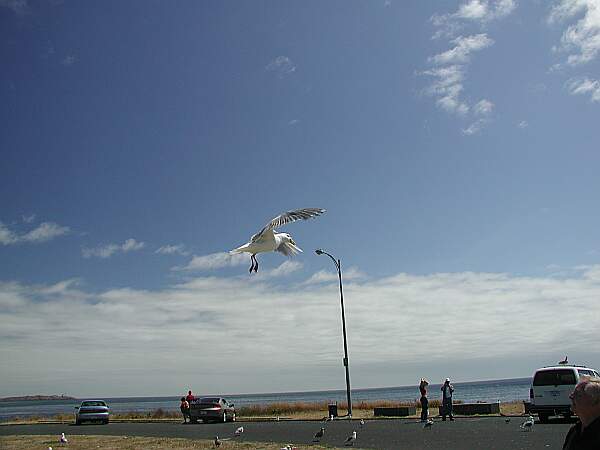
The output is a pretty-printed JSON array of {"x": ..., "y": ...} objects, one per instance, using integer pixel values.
[{"x": 131, "y": 443}]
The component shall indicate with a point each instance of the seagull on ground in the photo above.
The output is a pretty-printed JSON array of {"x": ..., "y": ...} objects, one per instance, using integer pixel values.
[
  {"x": 269, "y": 240},
  {"x": 351, "y": 439},
  {"x": 63, "y": 439},
  {"x": 217, "y": 442},
  {"x": 239, "y": 431},
  {"x": 507, "y": 420},
  {"x": 362, "y": 423},
  {"x": 528, "y": 424},
  {"x": 319, "y": 434},
  {"x": 428, "y": 423}
]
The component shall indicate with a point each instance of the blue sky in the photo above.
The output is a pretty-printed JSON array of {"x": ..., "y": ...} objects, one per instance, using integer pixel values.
[{"x": 454, "y": 145}]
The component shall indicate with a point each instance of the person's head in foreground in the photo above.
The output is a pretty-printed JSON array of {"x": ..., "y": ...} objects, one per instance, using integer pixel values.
[{"x": 585, "y": 400}]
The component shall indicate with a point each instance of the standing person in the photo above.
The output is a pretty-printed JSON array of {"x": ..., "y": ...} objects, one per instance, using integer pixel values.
[
  {"x": 585, "y": 401},
  {"x": 185, "y": 409},
  {"x": 424, "y": 402},
  {"x": 447, "y": 390},
  {"x": 190, "y": 396}
]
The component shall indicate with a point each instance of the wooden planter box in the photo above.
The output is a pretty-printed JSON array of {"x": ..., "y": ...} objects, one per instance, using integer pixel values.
[
  {"x": 396, "y": 411},
  {"x": 469, "y": 409}
]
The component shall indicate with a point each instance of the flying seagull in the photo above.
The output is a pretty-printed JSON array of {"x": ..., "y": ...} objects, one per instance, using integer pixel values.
[
  {"x": 351, "y": 439},
  {"x": 528, "y": 424},
  {"x": 319, "y": 434},
  {"x": 269, "y": 240},
  {"x": 564, "y": 361}
]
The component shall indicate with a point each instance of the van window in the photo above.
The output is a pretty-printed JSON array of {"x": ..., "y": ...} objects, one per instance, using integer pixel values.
[
  {"x": 554, "y": 377},
  {"x": 585, "y": 373}
]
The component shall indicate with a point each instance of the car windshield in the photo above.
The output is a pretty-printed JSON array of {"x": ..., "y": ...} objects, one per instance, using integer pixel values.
[
  {"x": 210, "y": 400},
  {"x": 93, "y": 403},
  {"x": 554, "y": 377}
]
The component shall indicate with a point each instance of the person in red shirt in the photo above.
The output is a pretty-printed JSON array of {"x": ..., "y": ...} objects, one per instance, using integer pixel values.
[
  {"x": 185, "y": 409},
  {"x": 190, "y": 396},
  {"x": 424, "y": 402}
]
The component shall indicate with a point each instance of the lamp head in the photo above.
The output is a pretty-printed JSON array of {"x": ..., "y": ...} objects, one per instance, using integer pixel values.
[{"x": 319, "y": 251}]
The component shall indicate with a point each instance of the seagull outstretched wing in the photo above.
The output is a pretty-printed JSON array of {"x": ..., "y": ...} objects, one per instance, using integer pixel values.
[{"x": 288, "y": 217}]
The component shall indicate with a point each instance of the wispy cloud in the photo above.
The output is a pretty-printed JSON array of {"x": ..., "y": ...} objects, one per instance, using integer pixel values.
[
  {"x": 583, "y": 85},
  {"x": 452, "y": 64},
  {"x": 463, "y": 47},
  {"x": 480, "y": 12},
  {"x": 69, "y": 60},
  {"x": 523, "y": 124},
  {"x": 213, "y": 261},
  {"x": 293, "y": 122},
  {"x": 326, "y": 276},
  {"x": 282, "y": 66},
  {"x": 580, "y": 40},
  {"x": 258, "y": 328},
  {"x": 19, "y": 7},
  {"x": 28, "y": 218},
  {"x": 106, "y": 251},
  {"x": 44, "y": 232},
  {"x": 173, "y": 250}
]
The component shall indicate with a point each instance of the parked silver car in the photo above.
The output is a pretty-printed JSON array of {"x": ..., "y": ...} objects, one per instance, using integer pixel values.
[
  {"x": 215, "y": 409},
  {"x": 92, "y": 410}
]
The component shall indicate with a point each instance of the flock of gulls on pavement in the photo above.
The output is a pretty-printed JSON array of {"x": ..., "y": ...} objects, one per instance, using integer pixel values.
[{"x": 525, "y": 426}]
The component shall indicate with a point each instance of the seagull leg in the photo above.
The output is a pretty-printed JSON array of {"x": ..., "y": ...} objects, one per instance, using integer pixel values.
[
  {"x": 256, "y": 266},
  {"x": 252, "y": 265}
]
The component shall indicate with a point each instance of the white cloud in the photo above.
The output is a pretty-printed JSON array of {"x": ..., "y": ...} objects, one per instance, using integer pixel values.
[
  {"x": 173, "y": 250},
  {"x": 447, "y": 88},
  {"x": 483, "y": 108},
  {"x": 479, "y": 12},
  {"x": 523, "y": 124},
  {"x": 464, "y": 46},
  {"x": 453, "y": 63},
  {"x": 293, "y": 122},
  {"x": 325, "y": 276},
  {"x": 282, "y": 65},
  {"x": 46, "y": 231},
  {"x": 69, "y": 60},
  {"x": 28, "y": 219},
  {"x": 582, "y": 39},
  {"x": 214, "y": 261},
  {"x": 258, "y": 327},
  {"x": 106, "y": 251},
  {"x": 19, "y": 7},
  {"x": 580, "y": 86}
]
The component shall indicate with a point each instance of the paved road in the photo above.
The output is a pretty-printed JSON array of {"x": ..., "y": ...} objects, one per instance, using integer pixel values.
[{"x": 486, "y": 433}]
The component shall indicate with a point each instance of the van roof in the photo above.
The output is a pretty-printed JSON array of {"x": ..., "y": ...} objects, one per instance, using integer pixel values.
[{"x": 565, "y": 366}]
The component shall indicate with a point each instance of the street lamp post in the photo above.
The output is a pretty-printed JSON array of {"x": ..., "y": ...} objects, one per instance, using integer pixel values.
[{"x": 339, "y": 269}]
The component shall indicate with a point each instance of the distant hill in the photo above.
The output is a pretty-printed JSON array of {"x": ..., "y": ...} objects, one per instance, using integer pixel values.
[{"x": 37, "y": 397}]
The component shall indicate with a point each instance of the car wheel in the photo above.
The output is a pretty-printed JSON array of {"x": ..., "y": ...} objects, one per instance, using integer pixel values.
[
  {"x": 543, "y": 417},
  {"x": 106, "y": 422}
]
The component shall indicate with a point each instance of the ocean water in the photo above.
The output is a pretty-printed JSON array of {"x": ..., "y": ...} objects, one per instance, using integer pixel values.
[{"x": 486, "y": 391}]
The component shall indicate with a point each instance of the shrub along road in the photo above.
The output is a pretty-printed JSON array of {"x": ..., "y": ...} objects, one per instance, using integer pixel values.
[{"x": 488, "y": 433}]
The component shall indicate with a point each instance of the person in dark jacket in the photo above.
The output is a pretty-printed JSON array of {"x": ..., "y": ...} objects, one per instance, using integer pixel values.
[
  {"x": 424, "y": 402},
  {"x": 447, "y": 390},
  {"x": 585, "y": 402}
]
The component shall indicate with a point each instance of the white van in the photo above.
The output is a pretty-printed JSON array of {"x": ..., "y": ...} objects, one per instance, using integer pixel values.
[{"x": 551, "y": 386}]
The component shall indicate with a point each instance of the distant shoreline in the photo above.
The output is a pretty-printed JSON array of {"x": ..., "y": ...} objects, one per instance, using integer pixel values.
[{"x": 37, "y": 397}]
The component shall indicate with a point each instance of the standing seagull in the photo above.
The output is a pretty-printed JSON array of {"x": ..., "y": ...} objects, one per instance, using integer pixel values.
[
  {"x": 528, "y": 424},
  {"x": 428, "y": 424},
  {"x": 217, "y": 442},
  {"x": 268, "y": 240},
  {"x": 351, "y": 439},
  {"x": 239, "y": 431},
  {"x": 63, "y": 439},
  {"x": 319, "y": 434}
]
